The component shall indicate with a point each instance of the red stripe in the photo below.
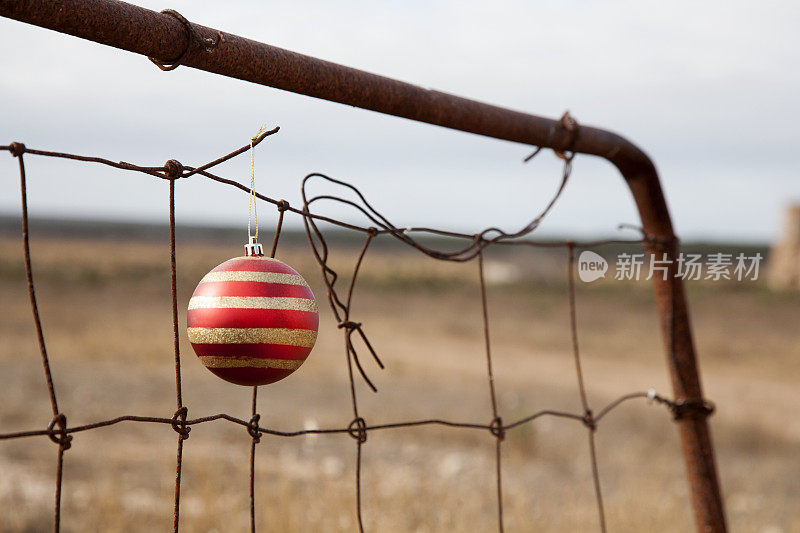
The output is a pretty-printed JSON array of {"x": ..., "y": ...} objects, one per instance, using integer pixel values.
[
  {"x": 254, "y": 265},
  {"x": 252, "y": 318},
  {"x": 262, "y": 351},
  {"x": 251, "y": 376},
  {"x": 252, "y": 288}
]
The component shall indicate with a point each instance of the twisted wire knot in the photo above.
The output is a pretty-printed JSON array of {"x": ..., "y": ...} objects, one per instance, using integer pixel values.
[
  {"x": 16, "y": 148},
  {"x": 569, "y": 123},
  {"x": 252, "y": 428},
  {"x": 691, "y": 408},
  {"x": 173, "y": 169},
  {"x": 497, "y": 429},
  {"x": 348, "y": 325},
  {"x": 179, "y": 423},
  {"x": 589, "y": 421},
  {"x": 283, "y": 205},
  {"x": 61, "y": 437},
  {"x": 358, "y": 429},
  {"x": 192, "y": 38}
]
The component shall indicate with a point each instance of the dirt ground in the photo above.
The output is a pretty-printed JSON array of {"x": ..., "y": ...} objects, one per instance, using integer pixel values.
[{"x": 106, "y": 313}]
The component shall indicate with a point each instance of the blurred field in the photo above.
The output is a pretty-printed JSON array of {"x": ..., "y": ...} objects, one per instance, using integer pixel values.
[{"x": 106, "y": 315}]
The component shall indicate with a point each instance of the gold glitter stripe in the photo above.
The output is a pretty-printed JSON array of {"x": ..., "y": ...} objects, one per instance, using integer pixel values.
[
  {"x": 212, "y": 361},
  {"x": 290, "y": 337},
  {"x": 253, "y": 302},
  {"x": 249, "y": 275}
]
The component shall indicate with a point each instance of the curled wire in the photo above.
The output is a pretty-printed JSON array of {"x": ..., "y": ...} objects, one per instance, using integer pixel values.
[
  {"x": 193, "y": 38},
  {"x": 491, "y": 235}
]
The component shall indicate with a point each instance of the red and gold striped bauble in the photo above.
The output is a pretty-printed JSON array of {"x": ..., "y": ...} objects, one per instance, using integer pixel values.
[{"x": 252, "y": 320}]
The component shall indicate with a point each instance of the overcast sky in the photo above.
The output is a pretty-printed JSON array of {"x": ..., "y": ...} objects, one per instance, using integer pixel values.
[{"x": 708, "y": 89}]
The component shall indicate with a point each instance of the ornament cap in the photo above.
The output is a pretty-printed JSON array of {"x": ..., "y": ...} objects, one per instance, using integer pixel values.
[{"x": 253, "y": 248}]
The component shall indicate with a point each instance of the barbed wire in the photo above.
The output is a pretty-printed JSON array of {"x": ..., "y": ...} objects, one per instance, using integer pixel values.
[{"x": 61, "y": 433}]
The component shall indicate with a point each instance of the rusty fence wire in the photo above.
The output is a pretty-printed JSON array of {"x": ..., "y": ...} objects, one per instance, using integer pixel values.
[{"x": 473, "y": 248}]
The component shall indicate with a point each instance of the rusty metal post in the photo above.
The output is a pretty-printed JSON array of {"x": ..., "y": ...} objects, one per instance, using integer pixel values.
[
  {"x": 165, "y": 37},
  {"x": 693, "y": 409}
]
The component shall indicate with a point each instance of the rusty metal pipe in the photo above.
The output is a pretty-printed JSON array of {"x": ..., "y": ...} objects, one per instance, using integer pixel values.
[{"x": 162, "y": 36}]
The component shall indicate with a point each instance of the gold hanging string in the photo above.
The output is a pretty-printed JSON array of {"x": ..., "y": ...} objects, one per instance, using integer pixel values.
[{"x": 252, "y": 214}]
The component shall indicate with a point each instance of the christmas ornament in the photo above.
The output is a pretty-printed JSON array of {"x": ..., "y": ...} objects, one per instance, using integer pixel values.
[{"x": 252, "y": 320}]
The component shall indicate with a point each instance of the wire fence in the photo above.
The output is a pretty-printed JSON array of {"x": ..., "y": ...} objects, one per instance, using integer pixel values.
[{"x": 340, "y": 302}]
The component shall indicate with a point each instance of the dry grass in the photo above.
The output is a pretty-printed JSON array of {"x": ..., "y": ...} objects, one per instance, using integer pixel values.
[{"x": 106, "y": 314}]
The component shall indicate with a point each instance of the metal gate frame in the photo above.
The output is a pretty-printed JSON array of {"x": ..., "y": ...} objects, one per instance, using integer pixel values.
[{"x": 171, "y": 38}]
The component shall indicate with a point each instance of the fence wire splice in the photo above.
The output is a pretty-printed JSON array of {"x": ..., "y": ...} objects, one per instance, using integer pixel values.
[{"x": 62, "y": 434}]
